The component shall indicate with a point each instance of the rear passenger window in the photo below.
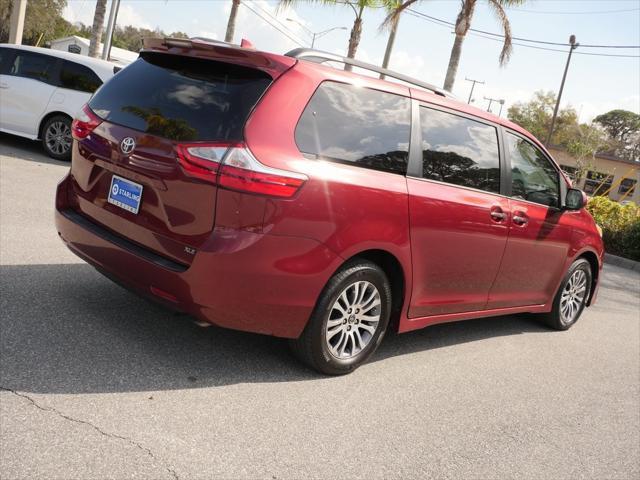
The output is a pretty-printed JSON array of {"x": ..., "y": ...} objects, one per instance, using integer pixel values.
[
  {"x": 33, "y": 65},
  {"x": 356, "y": 125},
  {"x": 78, "y": 77},
  {"x": 459, "y": 151}
]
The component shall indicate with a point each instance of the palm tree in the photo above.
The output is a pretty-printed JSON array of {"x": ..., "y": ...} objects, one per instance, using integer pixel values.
[
  {"x": 463, "y": 24},
  {"x": 391, "y": 6},
  {"x": 98, "y": 27},
  {"x": 231, "y": 24},
  {"x": 358, "y": 7}
]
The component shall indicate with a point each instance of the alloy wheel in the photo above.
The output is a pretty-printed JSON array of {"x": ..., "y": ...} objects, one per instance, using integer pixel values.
[
  {"x": 58, "y": 138},
  {"x": 573, "y": 296},
  {"x": 353, "y": 320}
]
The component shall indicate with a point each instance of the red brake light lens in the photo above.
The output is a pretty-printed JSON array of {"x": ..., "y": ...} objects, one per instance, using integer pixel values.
[
  {"x": 85, "y": 122},
  {"x": 241, "y": 171},
  {"x": 232, "y": 166},
  {"x": 202, "y": 160}
]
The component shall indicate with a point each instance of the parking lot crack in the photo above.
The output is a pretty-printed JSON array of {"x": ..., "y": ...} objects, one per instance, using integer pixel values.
[{"x": 130, "y": 441}]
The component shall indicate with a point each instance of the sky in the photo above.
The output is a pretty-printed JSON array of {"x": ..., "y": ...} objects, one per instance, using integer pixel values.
[{"x": 595, "y": 84}]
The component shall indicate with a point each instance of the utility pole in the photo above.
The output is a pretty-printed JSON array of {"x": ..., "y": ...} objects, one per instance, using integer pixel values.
[
  {"x": 497, "y": 100},
  {"x": 111, "y": 25},
  {"x": 473, "y": 85},
  {"x": 574, "y": 45},
  {"x": 490, "y": 102},
  {"x": 16, "y": 23}
]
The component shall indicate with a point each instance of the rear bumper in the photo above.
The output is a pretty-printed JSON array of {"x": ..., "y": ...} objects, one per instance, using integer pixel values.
[{"x": 238, "y": 279}]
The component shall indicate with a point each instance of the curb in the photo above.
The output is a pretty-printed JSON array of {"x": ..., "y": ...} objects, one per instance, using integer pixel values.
[{"x": 621, "y": 262}]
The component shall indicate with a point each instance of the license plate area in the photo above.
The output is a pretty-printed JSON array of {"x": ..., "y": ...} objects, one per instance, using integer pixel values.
[{"x": 125, "y": 194}]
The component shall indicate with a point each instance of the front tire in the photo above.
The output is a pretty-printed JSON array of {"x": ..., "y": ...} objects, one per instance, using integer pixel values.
[
  {"x": 56, "y": 137},
  {"x": 572, "y": 296},
  {"x": 349, "y": 320}
]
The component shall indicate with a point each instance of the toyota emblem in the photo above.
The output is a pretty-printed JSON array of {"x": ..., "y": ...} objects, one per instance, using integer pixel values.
[{"x": 127, "y": 145}]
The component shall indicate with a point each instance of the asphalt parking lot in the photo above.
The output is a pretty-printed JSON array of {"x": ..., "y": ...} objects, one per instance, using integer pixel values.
[{"x": 98, "y": 383}]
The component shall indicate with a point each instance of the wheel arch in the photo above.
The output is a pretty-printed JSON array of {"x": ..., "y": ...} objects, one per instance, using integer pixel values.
[
  {"x": 392, "y": 267},
  {"x": 592, "y": 258},
  {"x": 49, "y": 115}
]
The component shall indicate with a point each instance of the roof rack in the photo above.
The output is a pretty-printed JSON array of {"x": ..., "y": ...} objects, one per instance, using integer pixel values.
[{"x": 318, "y": 56}]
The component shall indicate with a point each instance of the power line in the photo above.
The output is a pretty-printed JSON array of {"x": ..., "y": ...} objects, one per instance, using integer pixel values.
[
  {"x": 270, "y": 22},
  {"x": 281, "y": 28},
  {"x": 557, "y": 49},
  {"x": 447, "y": 25},
  {"x": 594, "y": 12},
  {"x": 542, "y": 42},
  {"x": 276, "y": 19}
]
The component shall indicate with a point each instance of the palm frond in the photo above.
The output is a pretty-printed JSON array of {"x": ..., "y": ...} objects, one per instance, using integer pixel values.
[
  {"x": 501, "y": 15},
  {"x": 394, "y": 13},
  {"x": 511, "y": 3}
]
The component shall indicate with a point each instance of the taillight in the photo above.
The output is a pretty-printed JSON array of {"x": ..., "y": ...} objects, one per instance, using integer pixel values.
[
  {"x": 202, "y": 160},
  {"x": 232, "y": 166},
  {"x": 84, "y": 123},
  {"x": 241, "y": 171}
]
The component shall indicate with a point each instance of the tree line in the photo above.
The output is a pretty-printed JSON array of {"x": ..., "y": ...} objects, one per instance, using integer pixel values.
[{"x": 615, "y": 133}]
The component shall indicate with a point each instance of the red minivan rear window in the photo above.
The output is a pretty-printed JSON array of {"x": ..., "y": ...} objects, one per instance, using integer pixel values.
[{"x": 181, "y": 98}]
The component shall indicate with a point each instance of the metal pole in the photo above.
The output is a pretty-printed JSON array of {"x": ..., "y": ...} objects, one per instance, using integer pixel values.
[
  {"x": 490, "y": 102},
  {"x": 111, "y": 25},
  {"x": 501, "y": 105},
  {"x": 314, "y": 35},
  {"x": 574, "y": 45},
  {"x": 473, "y": 85},
  {"x": 16, "y": 22}
]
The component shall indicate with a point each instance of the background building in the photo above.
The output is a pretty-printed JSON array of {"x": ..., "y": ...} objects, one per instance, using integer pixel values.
[
  {"x": 80, "y": 45},
  {"x": 614, "y": 176}
]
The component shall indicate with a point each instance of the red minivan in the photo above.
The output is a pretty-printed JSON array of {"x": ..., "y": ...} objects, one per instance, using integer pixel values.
[{"x": 279, "y": 194}]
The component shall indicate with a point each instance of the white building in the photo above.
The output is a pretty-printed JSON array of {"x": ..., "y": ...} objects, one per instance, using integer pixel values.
[{"x": 80, "y": 45}]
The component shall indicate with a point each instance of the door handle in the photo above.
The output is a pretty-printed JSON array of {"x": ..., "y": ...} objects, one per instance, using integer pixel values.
[
  {"x": 497, "y": 214},
  {"x": 520, "y": 218},
  {"x": 4, "y": 85}
]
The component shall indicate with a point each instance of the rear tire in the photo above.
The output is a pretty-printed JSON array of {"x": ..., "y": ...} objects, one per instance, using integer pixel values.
[
  {"x": 56, "y": 137},
  {"x": 572, "y": 296},
  {"x": 349, "y": 320}
]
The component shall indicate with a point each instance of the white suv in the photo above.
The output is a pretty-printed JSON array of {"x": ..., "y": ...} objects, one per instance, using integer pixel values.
[{"x": 41, "y": 90}]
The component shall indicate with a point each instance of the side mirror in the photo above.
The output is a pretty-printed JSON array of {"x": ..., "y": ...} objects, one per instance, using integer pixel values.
[{"x": 575, "y": 199}]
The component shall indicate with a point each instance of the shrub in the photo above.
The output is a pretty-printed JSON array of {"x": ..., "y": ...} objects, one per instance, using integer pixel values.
[
  {"x": 631, "y": 241},
  {"x": 620, "y": 226}
]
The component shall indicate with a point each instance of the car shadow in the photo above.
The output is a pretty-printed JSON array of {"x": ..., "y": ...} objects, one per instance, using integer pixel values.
[
  {"x": 29, "y": 150},
  {"x": 67, "y": 329}
]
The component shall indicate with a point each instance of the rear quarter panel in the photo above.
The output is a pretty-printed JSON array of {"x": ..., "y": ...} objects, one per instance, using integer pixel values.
[
  {"x": 348, "y": 209},
  {"x": 66, "y": 101}
]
